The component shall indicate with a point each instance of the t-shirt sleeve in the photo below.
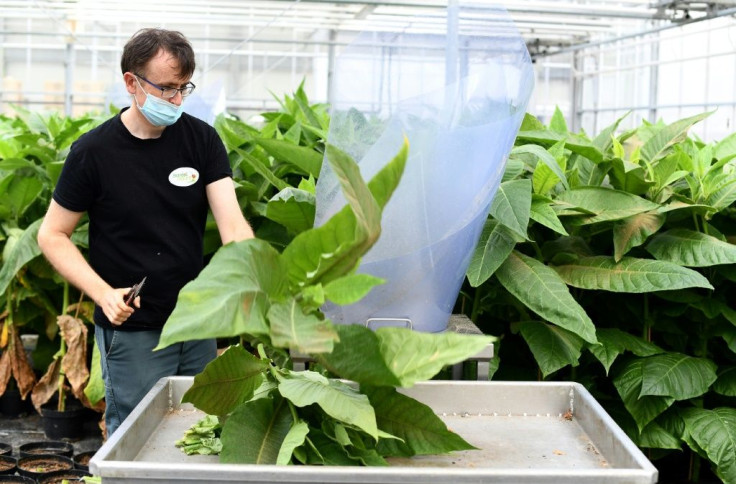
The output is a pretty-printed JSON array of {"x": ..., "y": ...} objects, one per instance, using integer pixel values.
[
  {"x": 75, "y": 190},
  {"x": 218, "y": 164}
]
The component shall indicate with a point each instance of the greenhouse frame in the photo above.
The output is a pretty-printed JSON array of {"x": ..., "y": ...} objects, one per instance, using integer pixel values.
[{"x": 596, "y": 60}]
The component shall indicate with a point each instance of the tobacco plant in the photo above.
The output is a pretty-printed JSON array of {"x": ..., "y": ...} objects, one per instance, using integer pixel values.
[
  {"x": 270, "y": 301},
  {"x": 611, "y": 260}
]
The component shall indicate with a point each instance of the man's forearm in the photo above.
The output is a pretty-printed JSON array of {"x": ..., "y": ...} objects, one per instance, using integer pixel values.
[{"x": 68, "y": 261}]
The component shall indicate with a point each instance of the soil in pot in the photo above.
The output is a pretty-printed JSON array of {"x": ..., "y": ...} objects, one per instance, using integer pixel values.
[
  {"x": 7, "y": 465},
  {"x": 57, "y": 477},
  {"x": 81, "y": 460},
  {"x": 37, "y": 466},
  {"x": 46, "y": 447},
  {"x": 16, "y": 479},
  {"x": 6, "y": 449}
]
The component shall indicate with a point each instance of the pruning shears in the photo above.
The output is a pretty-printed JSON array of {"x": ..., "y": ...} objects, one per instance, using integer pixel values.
[{"x": 134, "y": 291}]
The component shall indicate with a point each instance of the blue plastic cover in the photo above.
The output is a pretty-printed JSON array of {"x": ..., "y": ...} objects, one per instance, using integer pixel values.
[{"x": 459, "y": 98}]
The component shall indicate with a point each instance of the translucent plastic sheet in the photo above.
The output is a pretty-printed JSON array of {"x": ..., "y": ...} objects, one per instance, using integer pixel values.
[{"x": 459, "y": 98}]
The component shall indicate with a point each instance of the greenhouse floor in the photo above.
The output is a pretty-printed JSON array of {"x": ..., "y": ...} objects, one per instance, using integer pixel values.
[{"x": 28, "y": 427}]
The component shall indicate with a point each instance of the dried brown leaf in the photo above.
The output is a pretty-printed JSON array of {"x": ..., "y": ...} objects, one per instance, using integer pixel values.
[
  {"x": 74, "y": 362},
  {"x": 22, "y": 371},
  {"x": 46, "y": 386},
  {"x": 5, "y": 371}
]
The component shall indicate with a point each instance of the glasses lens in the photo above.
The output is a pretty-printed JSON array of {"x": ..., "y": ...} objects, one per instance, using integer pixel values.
[
  {"x": 168, "y": 92},
  {"x": 187, "y": 90}
]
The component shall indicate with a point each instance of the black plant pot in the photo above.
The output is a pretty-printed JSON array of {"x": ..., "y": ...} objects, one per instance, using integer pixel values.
[
  {"x": 11, "y": 404},
  {"x": 81, "y": 460},
  {"x": 56, "y": 477},
  {"x": 17, "y": 479},
  {"x": 37, "y": 466},
  {"x": 6, "y": 449},
  {"x": 68, "y": 424},
  {"x": 8, "y": 465},
  {"x": 46, "y": 447}
]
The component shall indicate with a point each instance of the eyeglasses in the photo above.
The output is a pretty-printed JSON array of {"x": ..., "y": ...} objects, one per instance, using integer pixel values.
[{"x": 169, "y": 92}]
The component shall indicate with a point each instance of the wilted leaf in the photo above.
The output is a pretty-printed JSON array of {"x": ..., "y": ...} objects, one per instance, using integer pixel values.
[
  {"x": 226, "y": 382},
  {"x": 292, "y": 328},
  {"x": 231, "y": 293},
  {"x": 420, "y": 430},
  {"x": 266, "y": 423},
  {"x": 337, "y": 399},
  {"x": 74, "y": 362},
  {"x": 415, "y": 356}
]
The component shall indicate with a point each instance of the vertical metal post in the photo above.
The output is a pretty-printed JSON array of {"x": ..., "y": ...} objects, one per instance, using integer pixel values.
[
  {"x": 653, "y": 80},
  {"x": 577, "y": 91},
  {"x": 331, "y": 66},
  {"x": 69, "y": 76}
]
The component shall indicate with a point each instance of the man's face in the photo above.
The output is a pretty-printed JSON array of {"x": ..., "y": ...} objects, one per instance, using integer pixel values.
[{"x": 163, "y": 71}]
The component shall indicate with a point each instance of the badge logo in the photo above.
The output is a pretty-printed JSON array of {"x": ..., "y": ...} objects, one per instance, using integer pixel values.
[{"x": 184, "y": 176}]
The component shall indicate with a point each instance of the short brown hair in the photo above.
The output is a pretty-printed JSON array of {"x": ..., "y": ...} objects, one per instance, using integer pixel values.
[{"x": 145, "y": 44}]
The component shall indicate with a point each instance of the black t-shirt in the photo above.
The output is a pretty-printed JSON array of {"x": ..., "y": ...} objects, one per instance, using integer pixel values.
[{"x": 147, "y": 207}]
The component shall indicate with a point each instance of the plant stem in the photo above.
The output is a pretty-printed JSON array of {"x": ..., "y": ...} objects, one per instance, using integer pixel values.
[
  {"x": 476, "y": 305},
  {"x": 61, "y": 406},
  {"x": 647, "y": 331}
]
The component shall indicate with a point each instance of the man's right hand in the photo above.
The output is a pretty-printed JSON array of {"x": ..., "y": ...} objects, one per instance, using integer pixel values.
[{"x": 114, "y": 307}]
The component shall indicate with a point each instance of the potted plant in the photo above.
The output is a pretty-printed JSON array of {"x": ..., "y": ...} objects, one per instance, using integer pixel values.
[
  {"x": 16, "y": 375},
  {"x": 68, "y": 372}
]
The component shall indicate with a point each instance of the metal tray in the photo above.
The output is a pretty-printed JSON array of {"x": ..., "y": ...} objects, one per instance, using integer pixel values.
[{"x": 527, "y": 432}]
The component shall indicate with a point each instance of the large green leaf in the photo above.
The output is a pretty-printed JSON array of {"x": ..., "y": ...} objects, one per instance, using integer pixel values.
[
  {"x": 260, "y": 167},
  {"x": 715, "y": 432},
  {"x": 306, "y": 159},
  {"x": 629, "y": 177},
  {"x": 421, "y": 431},
  {"x": 553, "y": 347},
  {"x": 23, "y": 251},
  {"x": 604, "y": 139},
  {"x": 613, "y": 342},
  {"x": 292, "y": 208},
  {"x": 545, "y": 157},
  {"x": 630, "y": 275},
  {"x": 633, "y": 231},
  {"x": 255, "y": 432},
  {"x": 351, "y": 288},
  {"x": 415, "y": 356},
  {"x": 608, "y": 204},
  {"x": 658, "y": 145},
  {"x": 628, "y": 383},
  {"x": 692, "y": 249},
  {"x": 512, "y": 204},
  {"x": 542, "y": 290},
  {"x": 573, "y": 143},
  {"x": 94, "y": 390},
  {"x": 357, "y": 357},
  {"x": 676, "y": 375},
  {"x": 334, "y": 249},
  {"x": 292, "y": 328},
  {"x": 495, "y": 244},
  {"x": 337, "y": 399},
  {"x": 295, "y": 438},
  {"x": 726, "y": 382},
  {"x": 226, "y": 382},
  {"x": 654, "y": 436},
  {"x": 543, "y": 213},
  {"x": 231, "y": 294}
]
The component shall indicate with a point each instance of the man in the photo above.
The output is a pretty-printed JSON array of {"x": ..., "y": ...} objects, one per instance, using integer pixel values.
[{"x": 146, "y": 179}]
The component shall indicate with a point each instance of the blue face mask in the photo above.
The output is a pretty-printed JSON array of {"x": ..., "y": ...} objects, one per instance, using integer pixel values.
[{"x": 157, "y": 111}]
